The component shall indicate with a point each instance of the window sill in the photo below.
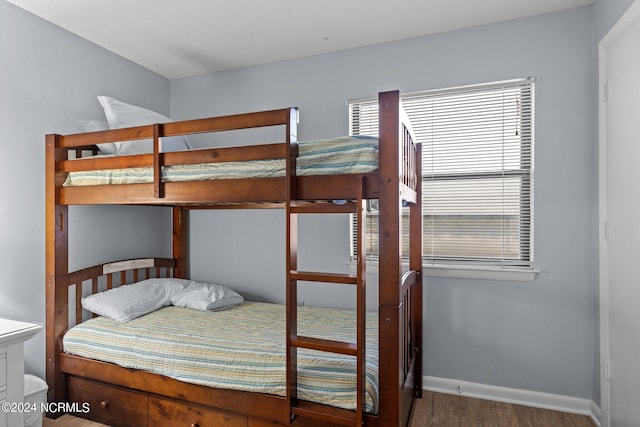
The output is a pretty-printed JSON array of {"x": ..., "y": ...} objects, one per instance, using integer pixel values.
[
  {"x": 482, "y": 273},
  {"x": 467, "y": 272}
]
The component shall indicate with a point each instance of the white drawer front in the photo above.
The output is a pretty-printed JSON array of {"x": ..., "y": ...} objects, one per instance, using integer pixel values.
[
  {"x": 3, "y": 380},
  {"x": 3, "y": 372}
]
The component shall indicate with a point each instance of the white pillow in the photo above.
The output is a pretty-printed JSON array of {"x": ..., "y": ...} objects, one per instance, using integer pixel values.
[
  {"x": 127, "y": 302},
  {"x": 121, "y": 115},
  {"x": 206, "y": 296},
  {"x": 95, "y": 126}
]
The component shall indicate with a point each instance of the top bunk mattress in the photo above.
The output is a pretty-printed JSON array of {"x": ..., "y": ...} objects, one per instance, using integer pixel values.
[
  {"x": 342, "y": 155},
  {"x": 241, "y": 348}
]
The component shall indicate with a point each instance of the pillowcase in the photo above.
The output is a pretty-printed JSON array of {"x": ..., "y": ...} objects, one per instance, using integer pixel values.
[
  {"x": 206, "y": 296},
  {"x": 127, "y": 302},
  {"x": 121, "y": 115},
  {"x": 95, "y": 126}
]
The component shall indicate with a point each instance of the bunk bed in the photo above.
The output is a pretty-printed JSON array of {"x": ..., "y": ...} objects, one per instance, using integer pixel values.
[{"x": 120, "y": 395}]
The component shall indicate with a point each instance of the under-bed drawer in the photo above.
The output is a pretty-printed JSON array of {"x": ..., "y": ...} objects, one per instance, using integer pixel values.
[
  {"x": 109, "y": 405},
  {"x": 167, "y": 412}
]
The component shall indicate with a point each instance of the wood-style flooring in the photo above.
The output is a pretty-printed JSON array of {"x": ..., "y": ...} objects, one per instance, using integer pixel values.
[{"x": 445, "y": 410}]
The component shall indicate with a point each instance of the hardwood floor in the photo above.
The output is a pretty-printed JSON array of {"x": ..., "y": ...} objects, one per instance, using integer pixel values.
[
  {"x": 447, "y": 410},
  {"x": 444, "y": 410}
]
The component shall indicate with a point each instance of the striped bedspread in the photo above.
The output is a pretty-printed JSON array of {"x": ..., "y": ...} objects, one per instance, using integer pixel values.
[
  {"x": 343, "y": 155},
  {"x": 240, "y": 348}
]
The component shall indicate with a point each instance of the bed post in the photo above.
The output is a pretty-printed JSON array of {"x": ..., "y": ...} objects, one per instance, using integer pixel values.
[
  {"x": 390, "y": 260},
  {"x": 180, "y": 241},
  {"x": 415, "y": 263},
  {"x": 57, "y": 256}
]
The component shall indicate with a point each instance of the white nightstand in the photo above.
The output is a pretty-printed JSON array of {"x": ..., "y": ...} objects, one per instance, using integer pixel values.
[{"x": 12, "y": 336}]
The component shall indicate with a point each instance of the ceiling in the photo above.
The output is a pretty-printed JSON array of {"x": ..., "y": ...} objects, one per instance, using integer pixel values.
[{"x": 184, "y": 38}]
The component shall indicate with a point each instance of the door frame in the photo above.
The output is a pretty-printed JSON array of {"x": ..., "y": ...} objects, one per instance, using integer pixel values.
[{"x": 605, "y": 393}]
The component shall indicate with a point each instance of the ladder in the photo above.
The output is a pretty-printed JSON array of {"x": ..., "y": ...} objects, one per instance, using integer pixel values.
[{"x": 295, "y": 341}]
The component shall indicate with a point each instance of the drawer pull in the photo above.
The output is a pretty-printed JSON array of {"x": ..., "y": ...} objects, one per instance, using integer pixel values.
[
  {"x": 104, "y": 404},
  {"x": 195, "y": 425}
]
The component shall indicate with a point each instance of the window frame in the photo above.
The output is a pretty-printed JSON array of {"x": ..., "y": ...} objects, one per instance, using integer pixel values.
[{"x": 491, "y": 267}]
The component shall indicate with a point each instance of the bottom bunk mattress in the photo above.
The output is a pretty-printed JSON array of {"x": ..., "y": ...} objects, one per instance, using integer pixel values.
[{"x": 241, "y": 348}]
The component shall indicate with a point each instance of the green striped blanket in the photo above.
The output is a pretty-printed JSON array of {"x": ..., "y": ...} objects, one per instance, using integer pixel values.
[
  {"x": 240, "y": 348},
  {"x": 349, "y": 154}
]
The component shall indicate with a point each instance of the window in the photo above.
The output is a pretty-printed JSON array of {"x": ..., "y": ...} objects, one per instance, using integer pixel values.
[{"x": 477, "y": 166}]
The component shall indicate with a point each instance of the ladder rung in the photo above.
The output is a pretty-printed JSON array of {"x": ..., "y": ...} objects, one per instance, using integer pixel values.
[
  {"x": 309, "y": 276},
  {"x": 325, "y": 413},
  {"x": 328, "y": 207},
  {"x": 329, "y": 346}
]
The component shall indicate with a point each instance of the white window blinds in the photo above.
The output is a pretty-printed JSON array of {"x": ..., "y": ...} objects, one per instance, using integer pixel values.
[{"x": 477, "y": 171}]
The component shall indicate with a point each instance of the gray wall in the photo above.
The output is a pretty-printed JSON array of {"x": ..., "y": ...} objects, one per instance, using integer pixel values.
[
  {"x": 535, "y": 335},
  {"x": 50, "y": 79},
  {"x": 607, "y": 13}
]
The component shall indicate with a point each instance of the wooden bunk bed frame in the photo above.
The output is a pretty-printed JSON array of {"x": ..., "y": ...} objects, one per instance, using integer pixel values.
[{"x": 121, "y": 396}]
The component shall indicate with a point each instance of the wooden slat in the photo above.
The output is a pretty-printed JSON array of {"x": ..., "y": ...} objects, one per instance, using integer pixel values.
[
  {"x": 180, "y": 241},
  {"x": 255, "y": 190},
  {"x": 227, "y": 154},
  {"x": 78, "y": 303},
  {"x": 97, "y": 163},
  {"x": 84, "y": 274},
  {"x": 322, "y": 208},
  {"x": 361, "y": 303},
  {"x": 231, "y": 122},
  {"x": 158, "y": 184},
  {"x": 112, "y": 135},
  {"x": 116, "y": 266},
  {"x": 319, "y": 344},
  {"x": 415, "y": 264},
  {"x": 408, "y": 280},
  {"x": 309, "y": 276}
]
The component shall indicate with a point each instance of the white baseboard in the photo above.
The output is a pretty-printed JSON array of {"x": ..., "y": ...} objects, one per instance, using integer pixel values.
[
  {"x": 595, "y": 413},
  {"x": 515, "y": 396}
]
